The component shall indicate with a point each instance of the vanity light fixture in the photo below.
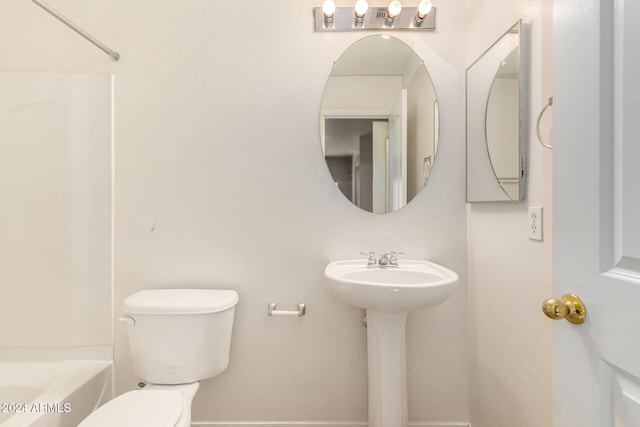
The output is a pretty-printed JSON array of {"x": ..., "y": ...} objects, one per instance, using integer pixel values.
[
  {"x": 328, "y": 9},
  {"x": 360, "y": 17},
  {"x": 424, "y": 8},
  {"x": 361, "y": 9},
  {"x": 394, "y": 9}
]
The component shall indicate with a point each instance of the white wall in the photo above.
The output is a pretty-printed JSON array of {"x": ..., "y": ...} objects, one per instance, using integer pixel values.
[
  {"x": 220, "y": 182},
  {"x": 360, "y": 95},
  {"x": 509, "y": 275}
]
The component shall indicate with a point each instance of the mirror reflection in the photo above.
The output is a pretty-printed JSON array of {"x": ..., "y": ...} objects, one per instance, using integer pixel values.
[
  {"x": 496, "y": 121},
  {"x": 379, "y": 124},
  {"x": 502, "y": 124}
]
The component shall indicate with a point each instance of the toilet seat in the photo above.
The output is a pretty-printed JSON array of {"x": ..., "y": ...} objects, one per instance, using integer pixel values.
[{"x": 140, "y": 408}]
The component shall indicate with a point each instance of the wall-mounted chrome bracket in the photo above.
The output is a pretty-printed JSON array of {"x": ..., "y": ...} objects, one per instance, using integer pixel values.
[{"x": 374, "y": 20}]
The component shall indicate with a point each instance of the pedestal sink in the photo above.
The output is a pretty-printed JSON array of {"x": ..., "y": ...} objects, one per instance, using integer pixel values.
[{"x": 388, "y": 293}]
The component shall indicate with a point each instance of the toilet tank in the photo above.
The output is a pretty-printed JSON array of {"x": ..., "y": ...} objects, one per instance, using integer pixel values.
[{"x": 180, "y": 336}]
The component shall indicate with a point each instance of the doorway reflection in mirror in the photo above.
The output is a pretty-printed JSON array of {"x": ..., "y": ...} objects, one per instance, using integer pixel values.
[{"x": 379, "y": 123}]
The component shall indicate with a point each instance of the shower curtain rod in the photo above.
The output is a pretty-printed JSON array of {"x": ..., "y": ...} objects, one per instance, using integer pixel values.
[{"x": 74, "y": 27}]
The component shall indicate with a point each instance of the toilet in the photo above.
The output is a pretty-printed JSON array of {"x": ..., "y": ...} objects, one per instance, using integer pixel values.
[{"x": 178, "y": 337}]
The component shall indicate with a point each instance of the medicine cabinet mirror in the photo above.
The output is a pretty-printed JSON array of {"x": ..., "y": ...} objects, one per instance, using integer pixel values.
[
  {"x": 496, "y": 120},
  {"x": 379, "y": 124}
]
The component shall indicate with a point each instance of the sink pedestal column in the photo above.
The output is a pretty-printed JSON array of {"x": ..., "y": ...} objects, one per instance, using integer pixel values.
[{"x": 387, "y": 363}]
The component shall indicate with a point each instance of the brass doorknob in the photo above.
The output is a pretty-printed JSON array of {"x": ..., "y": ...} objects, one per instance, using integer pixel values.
[{"x": 569, "y": 307}]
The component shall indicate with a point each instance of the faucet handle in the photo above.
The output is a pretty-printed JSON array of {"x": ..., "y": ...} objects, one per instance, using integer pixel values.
[
  {"x": 394, "y": 257},
  {"x": 372, "y": 258}
]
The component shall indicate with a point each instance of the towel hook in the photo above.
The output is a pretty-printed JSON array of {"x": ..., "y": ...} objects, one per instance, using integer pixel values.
[{"x": 540, "y": 138}]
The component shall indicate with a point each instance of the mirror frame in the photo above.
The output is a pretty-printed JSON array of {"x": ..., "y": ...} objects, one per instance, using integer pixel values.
[{"x": 483, "y": 184}]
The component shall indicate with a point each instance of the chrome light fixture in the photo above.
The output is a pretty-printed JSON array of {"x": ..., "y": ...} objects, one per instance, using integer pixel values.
[
  {"x": 394, "y": 9},
  {"x": 328, "y": 9},
  {"x": 424, "y": 8},
  {"x": 361, "y": 9},
  {"x": 360, "y": 17}
]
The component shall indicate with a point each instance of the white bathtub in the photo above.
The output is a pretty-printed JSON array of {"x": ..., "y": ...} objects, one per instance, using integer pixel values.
[{"x": 52, "y": 394}]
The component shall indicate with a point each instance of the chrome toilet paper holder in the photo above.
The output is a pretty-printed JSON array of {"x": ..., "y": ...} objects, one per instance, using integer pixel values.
[{"x": 273, "y": 310}]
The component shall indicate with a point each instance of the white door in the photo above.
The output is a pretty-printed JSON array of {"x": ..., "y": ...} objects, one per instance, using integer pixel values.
[
  {"x": 397, "y": 154},
  {"x": 380, "y": 129},
  {"x": 597, "y": 211}
]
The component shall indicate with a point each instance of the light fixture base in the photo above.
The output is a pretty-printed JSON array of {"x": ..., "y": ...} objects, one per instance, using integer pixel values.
[{"x": 374, "y": 20}]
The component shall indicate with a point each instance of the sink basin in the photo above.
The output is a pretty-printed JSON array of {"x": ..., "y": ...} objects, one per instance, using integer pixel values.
[{"x": 414, "y": 284}]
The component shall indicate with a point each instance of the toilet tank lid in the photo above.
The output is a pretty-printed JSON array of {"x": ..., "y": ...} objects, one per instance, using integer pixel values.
[{"x": 179, "y": 301}]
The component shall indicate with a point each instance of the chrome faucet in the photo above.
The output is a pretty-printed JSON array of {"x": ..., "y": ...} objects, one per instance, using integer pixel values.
[
  {"x": 371, "y": 261},
  {"x": 386, "y": 260},
  {"x": 394, "y": 258}
]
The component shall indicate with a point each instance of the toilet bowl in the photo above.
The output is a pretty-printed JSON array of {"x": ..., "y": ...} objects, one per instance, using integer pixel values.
[{"x": 178, "y": 337}]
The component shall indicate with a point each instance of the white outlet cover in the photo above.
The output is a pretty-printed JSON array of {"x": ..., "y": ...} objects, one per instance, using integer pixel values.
[{"x": 535, "y": 223}]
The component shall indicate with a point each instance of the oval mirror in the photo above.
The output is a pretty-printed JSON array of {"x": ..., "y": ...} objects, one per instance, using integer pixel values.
[{"x": 379, "y": 124}]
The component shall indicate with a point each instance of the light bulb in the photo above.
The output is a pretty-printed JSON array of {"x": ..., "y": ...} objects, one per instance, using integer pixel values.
[
  {"x": 361, "y": 8},
  {"x": 394, "y": 9},
  {"x": 424, "y": 8},
  {"x": 328, "y": 8}
]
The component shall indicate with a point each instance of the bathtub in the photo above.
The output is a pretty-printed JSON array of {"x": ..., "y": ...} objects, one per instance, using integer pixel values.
[{"x": 52, "y": 394}]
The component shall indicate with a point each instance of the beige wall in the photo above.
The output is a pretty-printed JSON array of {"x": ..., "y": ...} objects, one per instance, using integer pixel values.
[
  {"x": 220, "y": 182},
  {"x": 509, "y": 275}
]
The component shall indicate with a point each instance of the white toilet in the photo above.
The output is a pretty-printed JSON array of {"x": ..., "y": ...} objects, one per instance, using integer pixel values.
[{"x": 178, "y": 337}]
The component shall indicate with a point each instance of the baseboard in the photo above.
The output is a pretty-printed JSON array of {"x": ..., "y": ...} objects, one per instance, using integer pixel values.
[{"x": 311, "y": 424}]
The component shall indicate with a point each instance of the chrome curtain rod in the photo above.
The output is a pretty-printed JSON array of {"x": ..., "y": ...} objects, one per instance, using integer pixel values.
[{"x": 74, "y": 27}]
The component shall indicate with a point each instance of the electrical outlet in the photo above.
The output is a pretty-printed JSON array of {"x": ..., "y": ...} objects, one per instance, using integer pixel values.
[{"x": 535, "y": 223}]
